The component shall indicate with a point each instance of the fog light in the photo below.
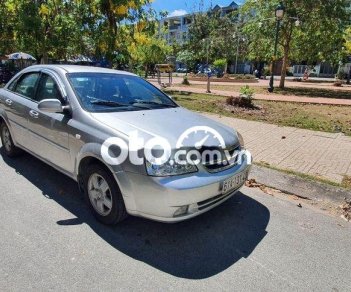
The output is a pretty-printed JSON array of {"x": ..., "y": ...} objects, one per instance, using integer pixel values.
[{"x": 181, "y": 211}]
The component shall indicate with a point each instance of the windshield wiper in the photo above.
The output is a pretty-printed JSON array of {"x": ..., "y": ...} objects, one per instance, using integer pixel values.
[
  {"x": 108, "y": 103},
  {"x": 152, "y": 103}
]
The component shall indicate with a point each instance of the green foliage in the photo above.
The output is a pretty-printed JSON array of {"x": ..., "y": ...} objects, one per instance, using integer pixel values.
[
  {"x": 147, "y": 50},
  {"x": 187, "y": 57},
  {"x": 247, "y": 92},
  {"x": 211, "y": 36},
  {"x": 62, "y": 29},
  {"x": 318, "y": 38},
  {"x": 220, "y": 63},
  {"x": 245, "y": 99}
]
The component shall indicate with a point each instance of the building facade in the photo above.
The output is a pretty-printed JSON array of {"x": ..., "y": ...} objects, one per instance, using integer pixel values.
[{"x": 175, "y": 29}]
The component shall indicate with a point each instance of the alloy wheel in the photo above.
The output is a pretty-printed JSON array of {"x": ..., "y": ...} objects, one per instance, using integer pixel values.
[{"x": 100, "y": 194}]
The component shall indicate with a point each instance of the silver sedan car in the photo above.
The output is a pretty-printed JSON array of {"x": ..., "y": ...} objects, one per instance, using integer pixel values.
[{"x": 129, "y": 146}]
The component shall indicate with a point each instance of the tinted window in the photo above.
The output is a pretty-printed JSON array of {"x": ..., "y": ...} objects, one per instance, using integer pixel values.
[
  {"x": 48, "y": 89},
  {"x": 26, "y": 85},
  {"x": 116, "y": 92}
]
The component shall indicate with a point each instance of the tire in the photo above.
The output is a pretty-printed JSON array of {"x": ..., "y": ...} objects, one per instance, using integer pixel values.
[
  {"x": 103, "y": 195},
  {"x": 9, "y": 147}
]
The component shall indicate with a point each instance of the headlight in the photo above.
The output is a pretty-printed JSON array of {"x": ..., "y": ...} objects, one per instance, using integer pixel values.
[
  {"x": 169, "y": 169},
  {"x": 241, "y": 140}
]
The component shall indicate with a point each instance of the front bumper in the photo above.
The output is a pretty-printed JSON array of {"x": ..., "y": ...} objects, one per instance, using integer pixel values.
[{"x": 158, "y": 198}]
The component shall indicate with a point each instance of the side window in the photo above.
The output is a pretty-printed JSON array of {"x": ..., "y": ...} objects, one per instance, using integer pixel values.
[
  {"x": 26, "y": 85},
  {"x": 48, "y": 89},
  {"x": 12, "y": 86}
]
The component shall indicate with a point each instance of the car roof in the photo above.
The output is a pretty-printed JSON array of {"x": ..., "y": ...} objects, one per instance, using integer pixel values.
[{"x": 77, "y": 69}]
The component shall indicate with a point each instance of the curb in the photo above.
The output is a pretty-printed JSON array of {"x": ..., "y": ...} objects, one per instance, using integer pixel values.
[{"x": 295, "y": 185}]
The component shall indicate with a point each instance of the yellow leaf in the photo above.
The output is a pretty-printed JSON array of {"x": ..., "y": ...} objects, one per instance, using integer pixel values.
[
  {"x": 121, "y": 10},
  {"x": 44, "y": 10}
]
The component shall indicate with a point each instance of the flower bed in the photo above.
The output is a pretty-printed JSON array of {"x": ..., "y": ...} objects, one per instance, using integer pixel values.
[
  {"x": 229, "y": 80},
  {"x": 225, "y": 78}
]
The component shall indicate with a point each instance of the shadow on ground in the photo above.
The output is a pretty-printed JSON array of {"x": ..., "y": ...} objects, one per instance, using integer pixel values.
[{"x": 195, "y": 249}]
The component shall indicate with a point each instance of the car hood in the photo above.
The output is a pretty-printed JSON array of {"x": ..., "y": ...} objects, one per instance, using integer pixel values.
[{"x": 176, "y": 125}]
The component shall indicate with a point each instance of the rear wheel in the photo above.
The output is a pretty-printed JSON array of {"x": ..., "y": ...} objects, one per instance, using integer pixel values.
[
  {"x": 10, "y": 149},
  {"x": 103, "y": 195}
]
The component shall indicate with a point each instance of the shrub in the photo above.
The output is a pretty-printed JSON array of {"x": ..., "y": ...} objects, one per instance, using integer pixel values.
[
  {"x": 220, "y": 63},
  {"x": 246, "y": 94},
  {"x": 234, "y": 101},
  {"x": 297, "y": 79},
  {"x": 243, "y": 77},
  {"x": 340, "y": 75},
  {"x": 266, "y": 72},
  {"x": 185, "y": 81},
  {"x": 245, "y": 99}
]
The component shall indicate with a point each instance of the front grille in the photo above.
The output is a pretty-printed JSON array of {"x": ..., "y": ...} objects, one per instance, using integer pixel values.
[{"x": 222, "y": 164}]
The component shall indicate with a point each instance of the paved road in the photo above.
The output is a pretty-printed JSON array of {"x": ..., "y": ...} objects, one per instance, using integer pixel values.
[{"x": 49, "y": 241}]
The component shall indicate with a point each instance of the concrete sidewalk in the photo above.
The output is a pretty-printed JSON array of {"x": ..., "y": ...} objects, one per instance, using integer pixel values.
[
  {"x": 325, "y": 155},
  {"x": 270, "y": 97}
]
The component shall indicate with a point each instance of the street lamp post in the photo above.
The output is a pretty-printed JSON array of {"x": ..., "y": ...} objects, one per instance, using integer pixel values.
[
  {"x": 279, "y": 14},
  {"x": 237, "y": 56},
  {"x": 208, "y": 45},
  {"x": 236, "y": 36},
  {"x": 239, "y": 38}
]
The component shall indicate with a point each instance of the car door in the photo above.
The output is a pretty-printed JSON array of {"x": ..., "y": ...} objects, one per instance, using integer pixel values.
[
  {"x": 17, "y": 105},
  {"x": 48, "y": 132}
]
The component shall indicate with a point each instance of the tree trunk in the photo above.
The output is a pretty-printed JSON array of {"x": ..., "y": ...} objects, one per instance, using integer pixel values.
[
  {"x": 284, "y": 66},
  {"x": 44, "y": 58},
  {"x": 146, "y": 71}
]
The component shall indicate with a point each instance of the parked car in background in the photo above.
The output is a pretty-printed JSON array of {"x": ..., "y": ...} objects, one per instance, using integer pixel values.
[
  {"x": 67, "y": 115},
  {"x": 182, "y": 70}
]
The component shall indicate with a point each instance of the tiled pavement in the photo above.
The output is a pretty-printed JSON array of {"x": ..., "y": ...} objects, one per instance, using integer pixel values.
[{"x": 325, "y": 155}]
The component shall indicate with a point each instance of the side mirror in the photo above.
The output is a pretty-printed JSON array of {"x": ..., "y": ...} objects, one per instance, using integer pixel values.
[{"x": 51, "y": 106}]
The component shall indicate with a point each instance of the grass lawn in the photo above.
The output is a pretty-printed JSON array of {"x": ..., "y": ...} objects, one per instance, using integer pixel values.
[
  {"x": 296, "y": 91},
  {"x": 325, "y": 118}
]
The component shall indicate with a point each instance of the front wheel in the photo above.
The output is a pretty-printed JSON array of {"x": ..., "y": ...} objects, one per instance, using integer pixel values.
[
  {"x": 103, "y": 195},
  {"x": 10, "y": 149}
]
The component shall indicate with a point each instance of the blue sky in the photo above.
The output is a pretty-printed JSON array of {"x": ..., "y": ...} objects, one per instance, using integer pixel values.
[{"x": 178, "y": 7}]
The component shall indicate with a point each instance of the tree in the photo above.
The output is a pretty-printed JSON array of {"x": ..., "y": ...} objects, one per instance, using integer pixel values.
[
  {"x": 7, "y": 32},
  {"x": 59, "y": 29},
  {"x": 318, "y": 38},
  {"x": 212, "y": 36},
  {"x": 144, "y": 46},
  {"x": 43, "y": 28},
  {"x": 188, "y": 58},
  {"x": 112, "y": 16}
]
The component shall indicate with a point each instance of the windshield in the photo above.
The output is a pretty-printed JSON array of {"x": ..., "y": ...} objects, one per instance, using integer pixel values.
[{"x": 101, "y": 92}]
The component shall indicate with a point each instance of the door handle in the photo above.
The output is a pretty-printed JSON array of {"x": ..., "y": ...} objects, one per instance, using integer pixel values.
[
  {"x": 8, "y": 102},
  {"x": 34, "y": 114}
]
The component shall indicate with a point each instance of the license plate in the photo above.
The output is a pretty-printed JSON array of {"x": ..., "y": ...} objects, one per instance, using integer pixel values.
[{"x": 234, "y": 182}]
